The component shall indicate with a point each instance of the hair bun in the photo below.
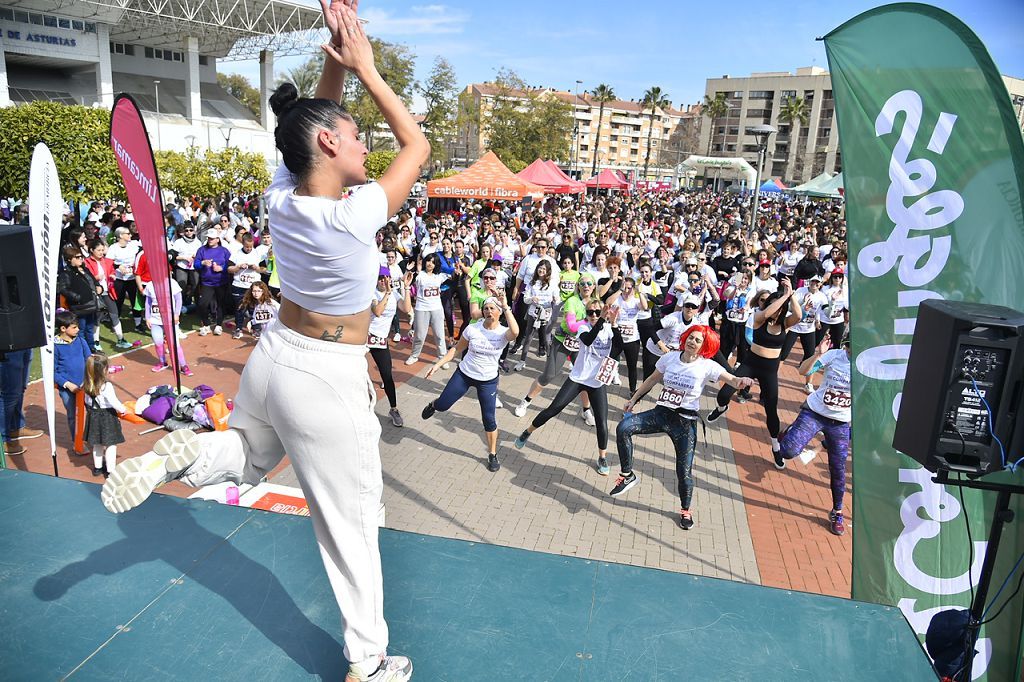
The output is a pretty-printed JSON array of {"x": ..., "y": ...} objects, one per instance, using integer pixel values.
[{"x": 283, "y": 99}]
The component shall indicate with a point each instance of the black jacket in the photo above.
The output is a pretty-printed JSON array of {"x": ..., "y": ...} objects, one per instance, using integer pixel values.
[
  {"x": 78, "y": 287},
  {"x": 807, "y": 268}
]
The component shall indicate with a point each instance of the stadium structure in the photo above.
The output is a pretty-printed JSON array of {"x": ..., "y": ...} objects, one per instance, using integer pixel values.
[{"x": 162, "y": 52}]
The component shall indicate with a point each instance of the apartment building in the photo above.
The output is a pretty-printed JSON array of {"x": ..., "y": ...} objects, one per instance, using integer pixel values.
[
  {"x": 799, "y": 151},
  {"x": 618, "y": 141}
]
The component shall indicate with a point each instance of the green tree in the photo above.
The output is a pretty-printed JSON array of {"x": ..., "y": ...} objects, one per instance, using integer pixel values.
[
  {"x": 715, "y": 108},
  {"x": 468, "y": 121},
  {"x": 601, "y": 94},
  {"x": 377, "y": 162},
  {"x": 440, "y": 119},
  {"x": 79, "y": 139},
  {"x": 397, "y": 66},
  {"x": 236, "y": 171},
  {"x": 305, "y": 76},
  {"x": 550, "y": 121},
  {"x": 795, "y": 112},
  {"x": 525, "y": 124},
  {"x": 239, "y": 87},
  {"x": 655, "y": 99}
]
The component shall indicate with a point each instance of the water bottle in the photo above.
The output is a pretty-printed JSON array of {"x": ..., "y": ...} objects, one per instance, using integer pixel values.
[
  {"x": 114, "y": 369},
  {"x": 231, "y": 495},
  {"x": 230, "y": 403}
]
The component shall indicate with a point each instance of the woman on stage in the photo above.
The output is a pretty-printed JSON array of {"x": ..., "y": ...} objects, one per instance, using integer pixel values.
[
  {"x": 483, "y": 344},
  {"x": 305, "y": 389},
  {"x": 683, "y": 375}
]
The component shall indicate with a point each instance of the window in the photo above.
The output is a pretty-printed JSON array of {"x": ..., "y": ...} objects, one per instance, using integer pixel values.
[
  {"x": 788, "y": 94},
  {"x": 64, "y": 23},
  {"x": 177, "y": 56},
  {"x": 759, "y": 113},
  {"x": 148, "y": 52},
  {"x": 720, "y": 131},
  {"x": 90, "y": 27},
  {"x": 203, "y": 60},
  {"x": 734, "y": 130},
  {"x": 129, "y": 50},
  {"x": 77, "y": 25},
  {"x": 21, "y": 17},
  {"x": 6, "y": 13},
  {"x": 50, "y": 21},
  {"x": 168, "y": 55},
  {"x": 762, "y": 94},
  {"x": 827, "y": 94},
  {"x": 35, "y": 19}
]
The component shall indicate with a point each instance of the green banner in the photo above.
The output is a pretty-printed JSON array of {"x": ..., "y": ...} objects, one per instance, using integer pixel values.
[{"x": 933, "y": 161}]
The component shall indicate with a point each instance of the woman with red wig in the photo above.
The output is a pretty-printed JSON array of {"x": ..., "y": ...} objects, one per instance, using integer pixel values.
[{"x": 683, "y": 375}]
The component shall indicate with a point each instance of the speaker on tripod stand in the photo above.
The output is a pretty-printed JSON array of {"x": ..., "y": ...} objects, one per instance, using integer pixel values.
[{"x": 21, "y": 312}]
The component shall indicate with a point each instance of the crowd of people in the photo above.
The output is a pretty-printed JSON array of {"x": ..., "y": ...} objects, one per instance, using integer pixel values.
[{"x": 677, "y": 286}]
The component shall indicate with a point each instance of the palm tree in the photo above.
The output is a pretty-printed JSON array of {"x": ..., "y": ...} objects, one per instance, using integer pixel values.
[
  {"x": 715, "y": 109},
  {"x": 655, "y": 99},
  {"x": 602, "y": 93},
  {"x": 305, "y": 76},
  {"x": 796, "y": 113}
]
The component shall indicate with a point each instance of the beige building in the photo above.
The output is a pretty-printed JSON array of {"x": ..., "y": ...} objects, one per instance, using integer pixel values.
[
  {"x": 798, "y": 152},
  {"x": 618, "y": 141}
]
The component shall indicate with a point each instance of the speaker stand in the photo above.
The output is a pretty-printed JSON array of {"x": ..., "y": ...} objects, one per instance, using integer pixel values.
[{"x": 1000, "y": 517}]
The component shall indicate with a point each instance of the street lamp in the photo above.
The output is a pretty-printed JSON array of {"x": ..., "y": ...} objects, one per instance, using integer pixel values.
[
  {"x": 156, "y": 87},
  {"x": 575, "y": 130},
  {"x": 762, "y": 133}
]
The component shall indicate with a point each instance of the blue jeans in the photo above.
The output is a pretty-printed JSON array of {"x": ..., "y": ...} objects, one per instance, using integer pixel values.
[
  {"x": 486, "y": 393},
  {"x": 238, "y": 293},
  {"x": 13, "y": 380},
  {"x": 681, "y": 430},
  {"x": 87, "y": 327},
  {"x": 68, "y": 398}
]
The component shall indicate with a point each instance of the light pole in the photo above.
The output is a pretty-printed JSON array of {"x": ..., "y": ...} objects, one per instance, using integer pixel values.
[
  {"x": 575, "y": 129},
  {"x": 156, "y": 87},
  {"x": 762, "y": 133}
]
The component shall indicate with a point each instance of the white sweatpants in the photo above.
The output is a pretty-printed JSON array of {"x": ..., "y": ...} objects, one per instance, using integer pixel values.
[
  {"x": 314, "y": 401},
  {"x": 428, "y": 318}
]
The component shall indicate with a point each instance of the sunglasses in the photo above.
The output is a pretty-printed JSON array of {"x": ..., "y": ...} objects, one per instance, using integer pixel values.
[
  {"x": 490, "y": 277},
  {"x": 749, "y": 265},
  {"x": 690, "y": 306},
  {"x": 593, "y": 312}
]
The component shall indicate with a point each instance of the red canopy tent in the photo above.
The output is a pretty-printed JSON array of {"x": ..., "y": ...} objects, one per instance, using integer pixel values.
[
  {"x": 550, "y": 177},
  {"x": 554, "y": 167},
  {"x": 607, "y": 179}
]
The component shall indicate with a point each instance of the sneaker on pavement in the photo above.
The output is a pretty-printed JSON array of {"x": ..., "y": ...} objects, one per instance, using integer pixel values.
[
  {"x": 186, "y": 370},
  {"x": 13, "y": 449},
  {"x": 218, "y": 330},
  {"x": 519, "y": 366},
  {"x": 392, "y": 669},
  {"x": 836, "y": 525},
  {"x": 602, "y": 466},
  {"x": 237, "y": 334},
  {"x": 204, "y": 330},
  {"x": 616, "y": 379},
  {"x": 158, "y": 367},
  {"x": 588, "y": 417},
  {"x": 396, "y": 418},
  {"x": 122, "y": 344},
  {"x": 397, "y": 337},
  {"x": 780, "y": 462},
  {"x": 522, "y": 408},
  {"x": 503, "y": 366},
  {"x": 521, "y": 440},
  {"x": 685, "y": 519},
  {"x": 428, "y": 411},
  {"x": 25, "y": 433},
  {"x": 740, "y": 398},
  {"x": 133, "y": 480},
  {"x": 412, "y": 360},
  {"x": 808, "y": 388},
  {"x": 492, "y": 463},
  {"x": 497, "y": 403},
  {"x": 716, "y": 413},
  {"x": 543, "y": 353},
  {"x": 623, "y": 483}
]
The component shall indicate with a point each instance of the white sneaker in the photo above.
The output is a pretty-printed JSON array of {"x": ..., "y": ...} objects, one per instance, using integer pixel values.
[
  {"x": 588, "y": 417},
  {"x": 497, "y": 403},
  {"x": 616, "y": 379},
  {"x": 522, "y": 408},
  {"x": 134, "y": 480},
  {"x": 397, "y": 337},
  {"x": 808, "y": 388},
  {"x": 519, "y": 366},
  {"x": 412, "y": 360},
  {"x": 204, "y": 331},
  {"x": 218, "y": 330},
  {"x": 446, "y": 365},
  {"x": 392, "y": 669}
]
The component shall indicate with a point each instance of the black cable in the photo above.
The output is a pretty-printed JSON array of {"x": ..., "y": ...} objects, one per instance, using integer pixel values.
[
  {"x": 1020, "y": 582},
  {"x": 967, "y": 522}
]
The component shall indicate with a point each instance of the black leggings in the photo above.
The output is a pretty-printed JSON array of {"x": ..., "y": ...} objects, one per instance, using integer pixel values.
[
  {"x": 188, "y": 280},
  {"x": 449, "y": 313},
  {"x": 834, "y": 331},
  {"x": 632, "y": 351},
  {"x": 598, "y": 402},
  {"x": 126, "y": 290},
  {"x": 766, "y": 371},
  {"x": 806, "y": 342},
  {"x": 213, "y": 303},
  {"x": 382, "y": 358},
  {"x": 734, "y": 336}
]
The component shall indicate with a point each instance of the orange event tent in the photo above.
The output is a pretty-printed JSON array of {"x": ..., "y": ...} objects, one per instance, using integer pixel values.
[
  {"x": 549, "y": 176},
  {"x": 488, "y": 178}
]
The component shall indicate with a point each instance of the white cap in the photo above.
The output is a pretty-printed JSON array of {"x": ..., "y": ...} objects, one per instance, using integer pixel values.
[
  {"x": 691, "y": 299},
  {"x": 213, "y": 233}
]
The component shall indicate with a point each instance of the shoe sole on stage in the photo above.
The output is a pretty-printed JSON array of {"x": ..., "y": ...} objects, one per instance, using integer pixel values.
[{"x": 134, "y": 480}]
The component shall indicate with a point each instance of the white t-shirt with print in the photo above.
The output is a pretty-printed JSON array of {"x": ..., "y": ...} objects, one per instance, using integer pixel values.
[
  {"x": 485, "y": 347},
  {"x": 833, "y": 398},
  {"x": 428, "y": 290},
  {"x": 683, "y": 382},
  {"x": 245, "y": 277},
  {"x": 809, "y": 305},
  {"x": 588, "y": 362}
]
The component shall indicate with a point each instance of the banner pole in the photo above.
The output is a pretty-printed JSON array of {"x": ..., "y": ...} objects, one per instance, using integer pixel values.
[{"x": 174, "y": 331}]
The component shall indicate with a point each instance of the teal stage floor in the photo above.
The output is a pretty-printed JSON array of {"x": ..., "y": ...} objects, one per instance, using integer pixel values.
[{"x": 193, "y": 590}]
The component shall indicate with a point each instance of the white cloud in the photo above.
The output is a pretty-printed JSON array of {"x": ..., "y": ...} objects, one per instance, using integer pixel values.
[{"x": 421, "y": 20}]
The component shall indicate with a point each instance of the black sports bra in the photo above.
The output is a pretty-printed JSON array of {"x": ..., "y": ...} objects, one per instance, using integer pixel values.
[{"x": 765, "y": 339}]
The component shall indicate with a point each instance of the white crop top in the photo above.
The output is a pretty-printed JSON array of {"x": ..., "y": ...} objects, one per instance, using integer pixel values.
[{"x": 325, "y": 250}]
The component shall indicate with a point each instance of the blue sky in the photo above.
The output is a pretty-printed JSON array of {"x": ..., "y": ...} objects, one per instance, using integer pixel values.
[{"x": 675, "y": 45}]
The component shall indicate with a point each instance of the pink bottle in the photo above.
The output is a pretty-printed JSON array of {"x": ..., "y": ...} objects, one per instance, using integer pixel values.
[{"x": 231, "y": 495}]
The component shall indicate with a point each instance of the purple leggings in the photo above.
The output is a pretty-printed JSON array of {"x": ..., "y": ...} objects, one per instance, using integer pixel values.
[{"x": 837, "y": 442}]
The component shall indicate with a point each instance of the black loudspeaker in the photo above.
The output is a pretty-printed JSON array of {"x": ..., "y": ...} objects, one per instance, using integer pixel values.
[
  {"x": 21, "y": 312},
  {"x": 966, "y": 359}
]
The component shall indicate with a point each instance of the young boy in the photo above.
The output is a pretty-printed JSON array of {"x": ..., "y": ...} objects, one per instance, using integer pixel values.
[{"x": 70, "y": 352}]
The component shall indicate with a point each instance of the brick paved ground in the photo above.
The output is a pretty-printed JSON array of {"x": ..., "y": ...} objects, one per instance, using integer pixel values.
[{"x": 753, "y": 523}]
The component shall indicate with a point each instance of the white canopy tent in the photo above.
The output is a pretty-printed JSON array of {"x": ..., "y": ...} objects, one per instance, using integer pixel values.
[{"x": 728, "y": 167}]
